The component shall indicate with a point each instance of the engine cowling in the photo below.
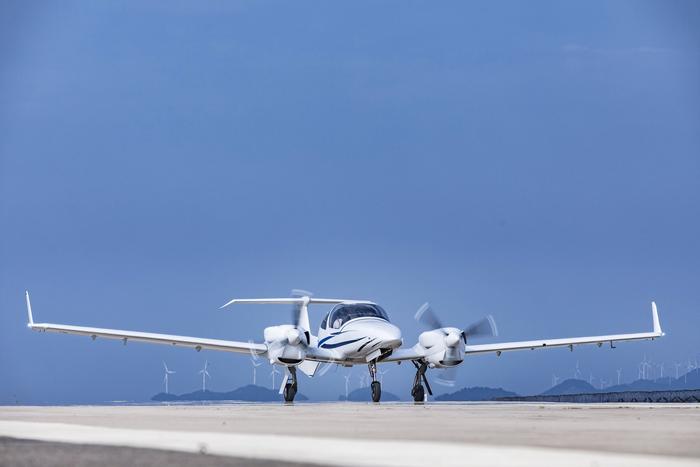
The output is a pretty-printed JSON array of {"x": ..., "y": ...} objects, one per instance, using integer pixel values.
[
  {"x": 443, "y": 347},
  {"x": 286, "y": 344}
]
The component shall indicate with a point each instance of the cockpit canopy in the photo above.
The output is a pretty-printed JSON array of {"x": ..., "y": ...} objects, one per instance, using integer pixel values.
[{"x": 344, "y": 312}]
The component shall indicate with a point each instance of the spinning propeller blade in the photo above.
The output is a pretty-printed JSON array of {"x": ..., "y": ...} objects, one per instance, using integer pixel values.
[
  {"x": 427, "y": 317},
  {"x": 485, "y": 327}
]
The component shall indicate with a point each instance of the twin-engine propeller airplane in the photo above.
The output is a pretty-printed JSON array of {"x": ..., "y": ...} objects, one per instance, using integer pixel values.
[{"x": 354, "y": 332}]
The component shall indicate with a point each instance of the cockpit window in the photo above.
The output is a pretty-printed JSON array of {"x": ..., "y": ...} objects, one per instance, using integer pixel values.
[
  {"x": 324, "y": 321},
  {"x": 343, "y": 313}
]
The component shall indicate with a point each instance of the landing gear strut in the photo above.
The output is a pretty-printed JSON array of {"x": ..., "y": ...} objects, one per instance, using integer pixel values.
[
  {"x": 376, "y": 385},
  {"x": 290, "y": 389},
  {"x": 417, "y": 391}
]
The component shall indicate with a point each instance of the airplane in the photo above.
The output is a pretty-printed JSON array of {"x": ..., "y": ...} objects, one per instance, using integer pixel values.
[{"x": 353, "y": 332}]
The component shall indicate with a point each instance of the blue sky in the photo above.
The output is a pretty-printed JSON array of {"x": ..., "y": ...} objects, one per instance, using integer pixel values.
[{"x": 538, "y": 161}]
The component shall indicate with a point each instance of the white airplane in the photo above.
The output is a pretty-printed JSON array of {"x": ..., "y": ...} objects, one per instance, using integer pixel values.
[{"x": 354, "y": 332}]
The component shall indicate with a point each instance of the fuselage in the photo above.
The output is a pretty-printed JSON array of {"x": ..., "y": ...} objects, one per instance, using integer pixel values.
[{"x": 358, "y": 332}]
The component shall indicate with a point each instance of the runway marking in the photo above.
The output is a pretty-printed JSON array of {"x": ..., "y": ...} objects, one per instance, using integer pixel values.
[{"x": 332, "y": 451}]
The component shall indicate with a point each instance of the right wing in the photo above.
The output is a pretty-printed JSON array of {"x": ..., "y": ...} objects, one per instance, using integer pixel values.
[
  {"x": 196, "y": 343},
  {"x": 569, "y": 341}
]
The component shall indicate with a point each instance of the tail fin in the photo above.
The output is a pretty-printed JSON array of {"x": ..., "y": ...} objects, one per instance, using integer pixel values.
[{"x": 29, "y": 309}]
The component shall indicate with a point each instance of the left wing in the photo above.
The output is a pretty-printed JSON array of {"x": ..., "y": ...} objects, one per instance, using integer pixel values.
[{"x": 196, "y": 343}]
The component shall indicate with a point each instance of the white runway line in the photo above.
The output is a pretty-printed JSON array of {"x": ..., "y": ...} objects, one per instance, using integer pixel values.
[{"x": 332, "y": 451}]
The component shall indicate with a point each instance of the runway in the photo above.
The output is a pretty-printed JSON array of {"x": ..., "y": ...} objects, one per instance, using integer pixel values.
[{"x": 490, "y": 434}]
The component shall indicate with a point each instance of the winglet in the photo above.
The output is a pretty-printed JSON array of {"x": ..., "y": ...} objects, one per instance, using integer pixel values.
[
  {"x": 29, "y": 309},
  {"x": 655, "y": 317}
]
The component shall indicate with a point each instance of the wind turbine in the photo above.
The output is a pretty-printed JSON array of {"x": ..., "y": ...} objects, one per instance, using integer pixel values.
[
  {"x": 646, "y": 365},
  {"x": 555, "y": 380},
  {"x": 205, "y": 374},
  {"x": 677, "y": 365},
  {"x": 577, "y": 372},
  {"x": 591, "y": 378},
  {"x": 619, "y": 375},
  {"x": 272, "y": 374},
  {"x": 347, "y": 383},
  {"x": 255, "y": 361},
  {"x": 381, "y": 375},
  {"x": 362, "y": 380},
  {"x": 660, "y": 366},
  {"x": 689, "y": 368},
  {"x": 165, "y": 380}
]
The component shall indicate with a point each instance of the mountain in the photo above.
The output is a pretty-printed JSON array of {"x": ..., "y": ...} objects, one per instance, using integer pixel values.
[
  {"x": 365, "y": 395},
  {"x": 570, "y": 386},
  {"x": 477, "y": 393},
  {"x": 690, "y": 380},
  {"x": 248, "y": 393}
]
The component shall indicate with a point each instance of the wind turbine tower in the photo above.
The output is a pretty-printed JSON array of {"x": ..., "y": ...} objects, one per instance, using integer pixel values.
[
  {"x": 619, "y": 375},
  {"x": 205, "y": 374},
  {"x": 347, "y": 384},
  {"x": 255, "y": 361},
  {"x": 272, "y": 375},
  {"x": 165, "y": 379}
]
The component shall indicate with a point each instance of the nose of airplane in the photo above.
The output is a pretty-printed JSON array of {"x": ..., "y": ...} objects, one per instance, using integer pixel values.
[{"x": 389, "y": 335}]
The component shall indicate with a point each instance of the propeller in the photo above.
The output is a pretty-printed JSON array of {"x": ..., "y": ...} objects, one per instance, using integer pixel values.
[
  {"x": 485, "y": 327},
  {"x": 296, "y": 309}
]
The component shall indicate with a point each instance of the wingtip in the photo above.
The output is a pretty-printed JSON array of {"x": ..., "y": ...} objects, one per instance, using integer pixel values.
[
  {"x": 655, "y": 318},
  {"x": 29, "y": 309}
]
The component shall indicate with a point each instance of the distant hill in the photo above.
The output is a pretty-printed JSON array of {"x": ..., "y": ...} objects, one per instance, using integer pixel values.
[
  {"x": 248, "y": 393},
  {"x": 570, "y": 386},
  {"x": 691, "y": 380},
  {"x": 365, "y": 395},
  {"x": 477, "y": 393}
]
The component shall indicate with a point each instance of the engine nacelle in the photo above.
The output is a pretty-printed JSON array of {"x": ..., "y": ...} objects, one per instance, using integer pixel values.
[
  {"x": 286, "y": 344},
  {"x": 444, "y": 347}
]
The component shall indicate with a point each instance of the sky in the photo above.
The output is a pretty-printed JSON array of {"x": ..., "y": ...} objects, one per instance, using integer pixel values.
[{"x": 537, "y": 161}]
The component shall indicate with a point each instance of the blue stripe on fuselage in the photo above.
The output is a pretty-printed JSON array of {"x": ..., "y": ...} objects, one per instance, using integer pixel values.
[{"x": 333, "y": 346}]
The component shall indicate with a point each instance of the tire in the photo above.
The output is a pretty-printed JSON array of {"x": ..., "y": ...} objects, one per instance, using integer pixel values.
[
  {"x": 418, "y": 393},
  {"x": 376, "y": 391},
  {"x": 290, "y": 390}
]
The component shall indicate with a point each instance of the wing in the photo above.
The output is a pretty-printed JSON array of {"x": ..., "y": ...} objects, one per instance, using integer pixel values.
[
  {"x": 569, "y": 341},
  {"x": 196, "y": 343},
  {"x": 416, "y": 352}
]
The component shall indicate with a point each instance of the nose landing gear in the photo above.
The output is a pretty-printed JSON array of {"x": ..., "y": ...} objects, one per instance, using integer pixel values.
[
  {"x": 290, "y": 388},
  {"x": 376, "y": 385},
  {"x": 417, "y": 391}
]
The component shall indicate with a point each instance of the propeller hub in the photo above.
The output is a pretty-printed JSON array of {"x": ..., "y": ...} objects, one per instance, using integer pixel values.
[
  {"x": 293, "y": 336},
  {"x": 452, "y": 339}
]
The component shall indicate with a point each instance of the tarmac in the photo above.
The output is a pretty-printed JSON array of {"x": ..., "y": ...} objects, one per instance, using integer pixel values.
[{"x": 350, "y": 434}]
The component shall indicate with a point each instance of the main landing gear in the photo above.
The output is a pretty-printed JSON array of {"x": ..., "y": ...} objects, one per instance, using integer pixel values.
[
  {"x": 290, "y": 388},
  {"x": 376, "y": 385},
  {"x": 418, "y": 392}
]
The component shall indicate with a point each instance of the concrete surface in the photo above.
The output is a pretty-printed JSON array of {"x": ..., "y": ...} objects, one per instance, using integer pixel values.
[
  {"x": 27, "y": 453},
  {"x": 386, "y": 434}
]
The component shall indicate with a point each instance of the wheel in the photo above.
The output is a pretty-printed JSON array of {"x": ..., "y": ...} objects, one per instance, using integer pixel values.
[
  {"x": 290, "y": 390},
  {"x": 418, "y": 393},
  {"x": 376, "y": 391}
]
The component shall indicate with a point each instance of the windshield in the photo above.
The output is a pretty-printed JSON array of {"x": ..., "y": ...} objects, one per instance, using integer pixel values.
[{"x": 343, "y": 313}]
